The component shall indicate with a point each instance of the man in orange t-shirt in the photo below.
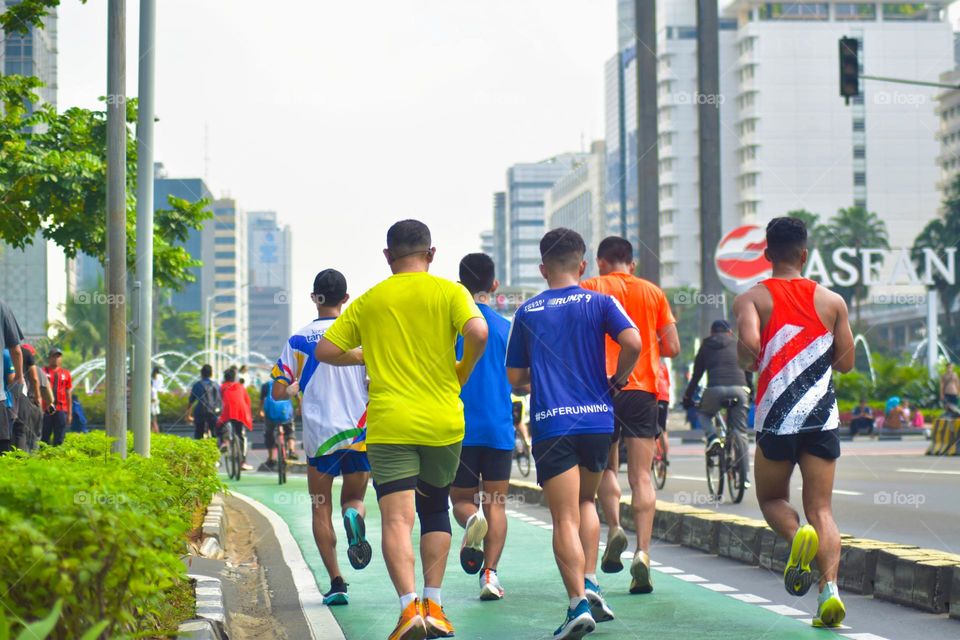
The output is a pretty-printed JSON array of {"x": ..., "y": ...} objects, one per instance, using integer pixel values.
[{"x": 635, "y": 406}]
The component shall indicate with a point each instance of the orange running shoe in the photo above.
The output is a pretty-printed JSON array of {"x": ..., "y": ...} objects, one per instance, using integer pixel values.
[
  {"x": 437, "y": 624},
  {"x": 411, "y": 625}
]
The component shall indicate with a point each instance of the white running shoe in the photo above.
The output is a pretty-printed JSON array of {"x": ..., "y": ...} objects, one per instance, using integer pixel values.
[
  {"x": 471, "y": 549},
  {"x": 490, "y": 588}
]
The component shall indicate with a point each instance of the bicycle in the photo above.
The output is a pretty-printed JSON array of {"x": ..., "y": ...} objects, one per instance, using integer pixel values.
[
  {"x": 729, "y": 463},
  {"x": 281, "y": 445},
  {"x": 233, "y": 456},
  {"x": 521, "y": 453},
  {"x": 659, "y": 464}
]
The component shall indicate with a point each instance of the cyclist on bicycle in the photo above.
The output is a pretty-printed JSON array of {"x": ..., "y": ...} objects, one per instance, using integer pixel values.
[
  {"x": 236, "y": 409},
  {"x": 276, "y": 413},
  {"x": 726, "y": 383},
  {"x": 480, "y": 488}
]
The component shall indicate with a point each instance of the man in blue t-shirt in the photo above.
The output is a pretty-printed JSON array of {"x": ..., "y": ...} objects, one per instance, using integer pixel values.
[
  {"x": 487, "y": 453},
  {"x": 557, "y": 346}
]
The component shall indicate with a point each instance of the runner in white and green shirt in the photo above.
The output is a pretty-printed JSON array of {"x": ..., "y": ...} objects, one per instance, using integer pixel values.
[{"x": 333, "y": 404}]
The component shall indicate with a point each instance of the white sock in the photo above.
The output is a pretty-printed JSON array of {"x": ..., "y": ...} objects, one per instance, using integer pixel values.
[
  {"x": 592, "y": 577},
  {"x": 406, "y": 599},
  {"x": 574, "y": 601},
  {"x": 432, "y": 593}
]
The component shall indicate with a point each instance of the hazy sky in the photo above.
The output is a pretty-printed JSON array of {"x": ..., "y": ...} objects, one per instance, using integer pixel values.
[{"x": 344, "y": 117}]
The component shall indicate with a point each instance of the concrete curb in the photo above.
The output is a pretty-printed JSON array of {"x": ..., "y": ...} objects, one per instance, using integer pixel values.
[
  {"x": 214, "y": 529},
  {"x": 211, "y": 617},
  {"x": 926, "y": 579}
]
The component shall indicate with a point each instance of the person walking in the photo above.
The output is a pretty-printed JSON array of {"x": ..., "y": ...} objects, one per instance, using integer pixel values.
[
  {"x": 205, "y": 404},
  {"x": 10, "y": 338},
  {"x": 333, "y": 403},
  {"x": 635, "y": 408},
  {"x": 59, "y": 415},
  {"x": 407, "y": 326},
  {"x": 949, "y": 386},
  {"x": 557, "y": 346},
  {"x": 39, "y": 396},
  {"x": 795, "y": 333},
  {"x": 236, "y": 410},
  {"x": 156, "y": 384}
]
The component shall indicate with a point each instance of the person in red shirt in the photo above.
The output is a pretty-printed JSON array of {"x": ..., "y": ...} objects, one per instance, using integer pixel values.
[
  {"x": 635, "y": 407},
  {"x": 236, "y": 409},
  {"x": 59, "y": 414}
]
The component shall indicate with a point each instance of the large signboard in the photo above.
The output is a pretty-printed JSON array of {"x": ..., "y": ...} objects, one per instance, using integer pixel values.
[
  {"x": 267, "y": 264},
  {"x": 740, "y": 264}
]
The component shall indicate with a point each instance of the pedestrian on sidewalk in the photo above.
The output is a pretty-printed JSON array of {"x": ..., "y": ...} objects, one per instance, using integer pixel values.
[
  {"x": 59, "y": 415},
  {"x": 156, "y": 384},
  {"x": 39, "y": 396},
  {"x": 333, "y": 402},
  {"x": 636, "y": 409},
  {"x": 480, "y": 489},
  {"x": 795, "y": 333},
  {"x": 557, "y": 346},
  {"x": 407, "y": 326},
  {"x": 10, "y": 339},
  {"x": 949, "y": 386},
  {"x": 236, "y": 410}
]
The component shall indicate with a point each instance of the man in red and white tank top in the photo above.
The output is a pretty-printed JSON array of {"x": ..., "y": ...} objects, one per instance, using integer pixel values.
[{"x": 795, "y": 333}]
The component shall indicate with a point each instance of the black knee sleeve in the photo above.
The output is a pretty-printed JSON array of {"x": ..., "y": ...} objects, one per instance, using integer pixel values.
[{"x": 433, "y": 507}]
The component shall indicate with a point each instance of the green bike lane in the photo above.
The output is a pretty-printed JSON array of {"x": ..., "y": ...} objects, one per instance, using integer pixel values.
[{"x": 535, "y": 599}]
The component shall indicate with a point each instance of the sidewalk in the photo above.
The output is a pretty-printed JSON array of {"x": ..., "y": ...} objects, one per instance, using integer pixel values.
[{"x": 535, "y": 600}]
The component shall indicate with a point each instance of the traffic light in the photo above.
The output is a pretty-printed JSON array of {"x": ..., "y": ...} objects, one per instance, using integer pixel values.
[{"x": 849, "y": 68}]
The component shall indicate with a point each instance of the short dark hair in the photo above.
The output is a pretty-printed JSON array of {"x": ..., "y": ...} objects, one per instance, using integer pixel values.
[
  {"x": 562, "y": 247},
  {"x": 616, "y": 250},
  {"x": 786, "y": 239},
  {"x": 206, "y": 371},
  {"x": 230, "y": 374},
  {"x": 329, "y": 287},
  {"x": 408, "y": 235},
  {"x": 477, "y": 272}
]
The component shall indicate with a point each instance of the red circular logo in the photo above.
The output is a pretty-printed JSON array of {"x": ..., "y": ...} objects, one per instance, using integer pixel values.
[{"x": 739, "y": 258}]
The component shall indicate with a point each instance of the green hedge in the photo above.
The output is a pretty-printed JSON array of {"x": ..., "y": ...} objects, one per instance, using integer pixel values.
[
  {"x": 173, "y": 406},
  {"x": 100, "y": 534}
]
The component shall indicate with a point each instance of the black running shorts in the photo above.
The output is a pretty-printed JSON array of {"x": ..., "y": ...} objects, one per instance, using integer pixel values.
[
  {"x": 556, "y": 455},
  {"x": 789, "y": 447}
]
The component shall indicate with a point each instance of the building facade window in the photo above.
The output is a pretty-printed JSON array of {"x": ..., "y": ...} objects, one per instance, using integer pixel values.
[
  {"x": 794, "y": 11},
  {"x": 855, "y": 11}
]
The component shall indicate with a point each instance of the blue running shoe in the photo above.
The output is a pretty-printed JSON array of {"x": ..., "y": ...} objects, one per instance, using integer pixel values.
[
  {"x": 599, "y": 609},
  {"x": 358, "y": 549},
  {"x": 337, "y": 594},
  {"x": 579, "y": 623}
]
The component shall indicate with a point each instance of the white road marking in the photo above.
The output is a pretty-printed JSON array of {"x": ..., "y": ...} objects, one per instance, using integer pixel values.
[
  {"x": 840, "y": 492},
  {"x": 719, "y": 587},
  {"x": 748, "y": 598},
  {"x": 690, "y": 577},
  {"x": 863, "y": 636},
  {"x": 669, "y": 570},
  {"x": 941, "y": 472},
  {"x": 694, "y": 478},
  {"x": 783, "y": 609}
]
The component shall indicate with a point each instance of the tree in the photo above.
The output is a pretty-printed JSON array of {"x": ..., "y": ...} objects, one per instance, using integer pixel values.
[
  {"x": 855, "y": 228},
  {"x": 53, "y": 174},
  {"x": 940, "y": 234},
  {"x": 178, "y": 330},
  {"x": 815, "y": 229},
  {"x": 84, "y": 327}
]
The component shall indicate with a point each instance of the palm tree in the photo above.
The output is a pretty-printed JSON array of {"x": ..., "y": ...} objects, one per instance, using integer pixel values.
[
  {"x": 85, "y": 323},
  {"x": 856, "y": 228},
  {"x": 943, "y": 233}
]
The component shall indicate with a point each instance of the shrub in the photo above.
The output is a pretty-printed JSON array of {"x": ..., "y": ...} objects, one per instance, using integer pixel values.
[{"x": 101, "y": 534}]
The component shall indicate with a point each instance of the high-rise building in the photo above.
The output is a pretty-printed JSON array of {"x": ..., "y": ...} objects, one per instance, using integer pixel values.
[
  {"x": 948, "y": 134},
  {"x": 500, "y": 233},
  {"x": 799, "y": 146},
  {"x": 486, "y": 243},
  {"x": 230, "y": 279},
  {"x": 527, "y": 184},
  {"x": 34, "y": 281},
  {"x": 270, "y": 262},
  {"x": 576, "y": 201},
  {"x": 678, "y": 144}
]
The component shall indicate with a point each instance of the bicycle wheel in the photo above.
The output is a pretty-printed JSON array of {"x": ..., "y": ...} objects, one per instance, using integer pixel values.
[
  {"x": 236, "y": 454},
  {"x": 281, "y": 456},
  {"x": 523, "y": 461},
  {"x": 659, "y": 466},
  {"x": 738, "y": 466},
  {"x": 716, "y": 467}
]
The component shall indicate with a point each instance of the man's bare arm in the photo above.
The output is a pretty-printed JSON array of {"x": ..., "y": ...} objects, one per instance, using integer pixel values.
[
  {"x": 519, "y": 378},
  {"x": 329, "y": 353},
  {"x": 16, "y": 356},
  {"x": 843, "y": 350},
  {"x": 748, "y": 331},
  {"x": 33, "y": 382},
  {"x": 669, "y": 341}
]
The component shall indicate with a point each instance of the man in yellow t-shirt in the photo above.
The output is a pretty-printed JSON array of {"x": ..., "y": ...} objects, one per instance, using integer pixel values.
[{"x": 407, "y": 326}]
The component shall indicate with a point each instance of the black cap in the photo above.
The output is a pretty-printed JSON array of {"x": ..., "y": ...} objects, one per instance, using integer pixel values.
[
  {"x": 329, "y": 287},
  {"x": 55, "y": 351},
  {"x": 720, "y": 326}
]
